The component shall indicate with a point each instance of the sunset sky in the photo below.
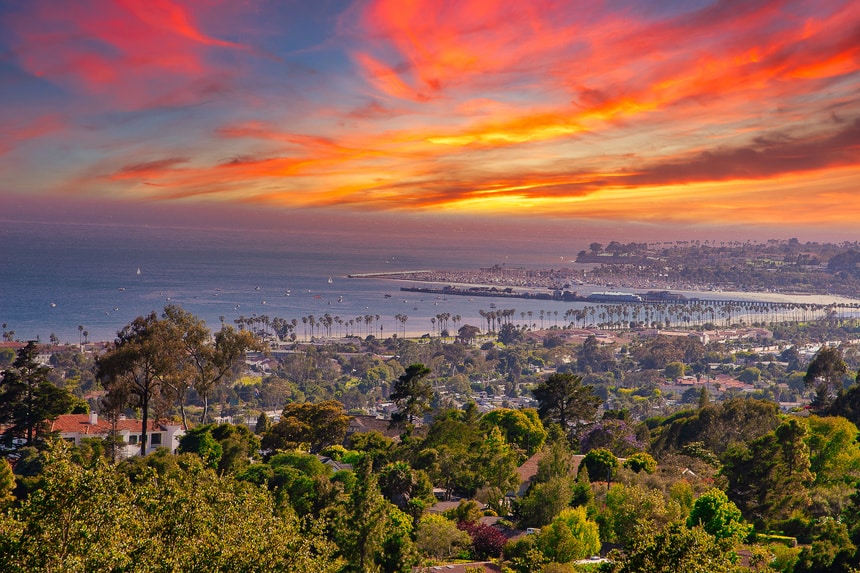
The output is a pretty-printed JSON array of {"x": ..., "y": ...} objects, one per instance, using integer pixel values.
[{"x": 669, "y": 112}]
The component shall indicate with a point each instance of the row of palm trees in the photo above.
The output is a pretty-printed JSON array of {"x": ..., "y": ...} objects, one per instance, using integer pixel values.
[
  {"x": 325, "y": 326},
  {"x": 608, "y": 316},
  {"x": 440, "y": 322},
  {"x": 699, "y": 313},
  {"x": 660, "y": 315}
]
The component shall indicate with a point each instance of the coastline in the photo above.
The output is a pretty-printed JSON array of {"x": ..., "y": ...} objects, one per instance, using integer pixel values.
[{"x": 588, "y": 288}]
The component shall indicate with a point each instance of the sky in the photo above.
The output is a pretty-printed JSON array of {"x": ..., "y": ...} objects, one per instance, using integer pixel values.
[{"x": 665, "y": 114}]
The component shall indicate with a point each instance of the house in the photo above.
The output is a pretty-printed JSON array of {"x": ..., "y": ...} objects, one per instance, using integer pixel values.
[
  {"x": 527, "y": 472},
  {"x": 161, "y": 434},
  {"x": 334, "y": 464},
  {"x": 364, "y": 424}
]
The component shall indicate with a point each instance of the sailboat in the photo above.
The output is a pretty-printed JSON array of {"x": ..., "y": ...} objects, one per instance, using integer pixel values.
[
  {"x": 329, "y": 280},
  {"x": 138, "y": 271}
]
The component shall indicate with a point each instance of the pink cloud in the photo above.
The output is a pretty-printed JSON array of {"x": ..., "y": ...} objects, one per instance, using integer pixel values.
[
  {"x": 15, "y": 133},
  {"x": 127, "y": 52}
]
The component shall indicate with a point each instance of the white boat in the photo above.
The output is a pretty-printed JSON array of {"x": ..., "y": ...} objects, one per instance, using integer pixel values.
[
  {"x": 329, "y": 280},
  {"x": 138, "y": 271}
]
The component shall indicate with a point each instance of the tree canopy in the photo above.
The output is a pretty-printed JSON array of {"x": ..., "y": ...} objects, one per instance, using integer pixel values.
[
  {"x": 155, "y": 361},
  {"x": 825, "y": 375},
  {"x": 29, "y": 401},
  {"x": 565, "y": 400},
  {"x": 314, "y": 426},
  {"x": 412, "y": 393}
]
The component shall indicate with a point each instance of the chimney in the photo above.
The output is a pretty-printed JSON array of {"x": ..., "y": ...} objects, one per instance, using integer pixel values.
[{"x": 94, "y": 418}]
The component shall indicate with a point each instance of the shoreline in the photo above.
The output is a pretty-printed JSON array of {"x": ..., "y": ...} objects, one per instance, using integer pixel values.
[{"x": 691, "y": 291}]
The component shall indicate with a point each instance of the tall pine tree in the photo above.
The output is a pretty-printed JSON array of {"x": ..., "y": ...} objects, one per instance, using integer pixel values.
[{"x": 29, "y": 401}]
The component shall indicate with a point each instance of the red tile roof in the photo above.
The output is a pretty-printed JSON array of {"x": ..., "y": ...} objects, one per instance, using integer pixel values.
[{"x": 80, "y": 423}]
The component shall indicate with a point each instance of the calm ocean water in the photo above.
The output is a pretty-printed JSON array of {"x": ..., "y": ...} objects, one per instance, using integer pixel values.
[{"x": 54, "y": 277}]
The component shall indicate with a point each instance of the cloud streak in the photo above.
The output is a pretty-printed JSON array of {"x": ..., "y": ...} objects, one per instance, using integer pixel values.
[{"x": 610, "y": 110}]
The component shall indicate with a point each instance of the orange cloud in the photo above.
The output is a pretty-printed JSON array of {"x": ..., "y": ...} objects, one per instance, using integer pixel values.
[{"x": 470, "y": 106}]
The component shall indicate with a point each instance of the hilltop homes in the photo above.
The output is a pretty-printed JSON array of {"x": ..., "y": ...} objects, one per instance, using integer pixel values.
[{"x": 161, "y": 434}]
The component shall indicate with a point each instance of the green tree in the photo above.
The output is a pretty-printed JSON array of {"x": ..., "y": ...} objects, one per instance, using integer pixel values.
[
  {"x": 552, "y": 489},
  {"x": 556, "y": 462},
  {"x": 718, "y": 426},
  {"x": 7, "y": 484},
  {"x": 468, "y": 511},
  {"x": 28, "y": 400},
  {"x": 398, "y": 553},
  {"x": 509, "y": 333},
  {"x": 440, "y": 538},
  {"x": 56, "y": 530},
  {"x": 750, "y": 375},
  {"x": 641, "y": 461},
  {"x": 411, "y": 393},
  {"x": 197, "y": 521},
  {"x": 593, "y": 356},
  {"x": 718, "y": 516},
  {"x": 314, "y": 426},
  {"x": 627, "y": 507},
  {"x": 544, "y": 501},
  {"x": 213, "y": 363},
  {"x": 467, "y": 334},
  {"x": 361, "y": 534},
  {"x": 831, "y": 550},
  {"x": 674, "y": 549},
  {"x": 263, "y": 424},
  {"x": 582, "y": 492},
  {"x": 303, "y": 481},
  {"x": 834, "y": 453},
  {"x": 601, "y": 464},
  {"x": 200, "y": 362},
  {"x": 570, "y": 536},
  {"x": 133, "y": 371},
  {"x": 403, "y": 486},
  {"x": 372, "y": 532},
  {"x": 373, "y": 443},
  {"x": 521, "y": 428},
  {"x": 199, "y": 441},
  {"x": 769, "y": 478},
  {"x": 674, "y": 370},
  {"x": 497, "y": 467},
  {"x": 563, "y": 399},
  {"x": 825, "y": 375}
]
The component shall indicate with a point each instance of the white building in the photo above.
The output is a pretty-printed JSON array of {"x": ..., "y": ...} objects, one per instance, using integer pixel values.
[{"x": 160, "y": 434}]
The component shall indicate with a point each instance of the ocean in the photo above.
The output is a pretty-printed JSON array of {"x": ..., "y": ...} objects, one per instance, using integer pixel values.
[{"x": 56, "y": 277}]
